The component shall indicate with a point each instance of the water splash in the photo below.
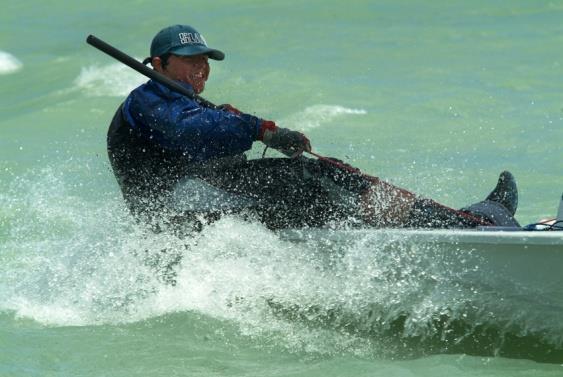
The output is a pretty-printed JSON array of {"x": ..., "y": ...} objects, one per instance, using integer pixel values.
[
  {"x": 70, "y": 259},
  {"x": 9, "y": 63},
  {"x": 113, "y": 80}
]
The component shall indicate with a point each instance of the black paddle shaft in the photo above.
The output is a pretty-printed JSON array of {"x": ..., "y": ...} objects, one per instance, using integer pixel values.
[{"x": 144, "y": 70}]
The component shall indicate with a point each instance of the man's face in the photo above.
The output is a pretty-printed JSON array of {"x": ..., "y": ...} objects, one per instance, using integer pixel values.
[{"x": 193, "y": 70}]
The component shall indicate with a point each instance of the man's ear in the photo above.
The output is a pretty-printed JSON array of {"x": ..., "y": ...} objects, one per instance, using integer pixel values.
[{"x": 157, "y": 64}]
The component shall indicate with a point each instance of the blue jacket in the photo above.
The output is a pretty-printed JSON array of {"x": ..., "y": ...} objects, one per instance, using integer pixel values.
[{"x": 181, "y": 125}]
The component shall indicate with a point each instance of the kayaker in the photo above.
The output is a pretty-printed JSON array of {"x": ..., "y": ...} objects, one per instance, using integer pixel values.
[{"x": 159, "y": 137}]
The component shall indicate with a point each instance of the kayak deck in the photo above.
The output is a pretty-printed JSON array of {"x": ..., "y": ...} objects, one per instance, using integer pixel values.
[{"x": 482, "y": 236}]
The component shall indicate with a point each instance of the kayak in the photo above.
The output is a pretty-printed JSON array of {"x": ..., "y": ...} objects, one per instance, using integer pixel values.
[{"x": 526, "y": 263}]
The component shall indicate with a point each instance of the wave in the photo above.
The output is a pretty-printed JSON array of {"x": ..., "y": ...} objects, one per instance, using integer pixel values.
[
  {"x": 9, "y": 63},
  {"x": 67, "y": 258},
  {"x": 114, "y": 80},
  {"x": 317, "y": 115}
]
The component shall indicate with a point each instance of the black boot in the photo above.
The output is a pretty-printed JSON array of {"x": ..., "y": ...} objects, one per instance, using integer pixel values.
[
  {"x": 505, "y": 192},
  {"x": 500, "y": 206}
]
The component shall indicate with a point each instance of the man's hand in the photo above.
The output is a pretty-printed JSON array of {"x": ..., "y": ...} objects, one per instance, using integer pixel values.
[{"x": 291, "y": 143}]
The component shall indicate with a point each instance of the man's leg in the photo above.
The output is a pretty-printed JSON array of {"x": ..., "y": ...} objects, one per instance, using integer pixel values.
[
  {"x": 381, "y": 204},
  {"x": 294, "y": 193},
  {"x": 497, "y": 209},
  {"x": 385, "y": 205}
]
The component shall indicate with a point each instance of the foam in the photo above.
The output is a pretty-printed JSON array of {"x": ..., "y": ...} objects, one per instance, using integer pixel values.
[
  {"x": 9, "y": 63},
  {"x": 112, "y": 80},
  {"x": 318, "y": 115}
]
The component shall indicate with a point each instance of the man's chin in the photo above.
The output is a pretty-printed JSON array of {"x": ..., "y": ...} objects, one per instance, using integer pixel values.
[{"x": 198, "y": 88}]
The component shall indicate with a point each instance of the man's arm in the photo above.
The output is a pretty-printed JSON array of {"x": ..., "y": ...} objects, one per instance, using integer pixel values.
[
  {"x": 203, "y": 133},
  {"x": 183, "y": 125}
]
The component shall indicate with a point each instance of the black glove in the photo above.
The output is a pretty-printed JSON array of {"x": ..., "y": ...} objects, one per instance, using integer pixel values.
[{"x": 291, "y": 143}]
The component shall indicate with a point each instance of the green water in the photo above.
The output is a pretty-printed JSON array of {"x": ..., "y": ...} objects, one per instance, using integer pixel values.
[{"x": 437, "y": 97}]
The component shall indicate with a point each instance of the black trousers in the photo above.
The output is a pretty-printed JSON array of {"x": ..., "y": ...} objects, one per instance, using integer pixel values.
[{"x": 291, "y": 193}]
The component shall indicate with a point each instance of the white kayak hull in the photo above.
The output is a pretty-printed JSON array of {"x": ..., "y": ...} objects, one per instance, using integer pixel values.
[{"x": 523, "y": 262}]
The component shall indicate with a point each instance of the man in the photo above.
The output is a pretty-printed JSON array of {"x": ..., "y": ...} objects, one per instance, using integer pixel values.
[{"x": 159, "y": 138}]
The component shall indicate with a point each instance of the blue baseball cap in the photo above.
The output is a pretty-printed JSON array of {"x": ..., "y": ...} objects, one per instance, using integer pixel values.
[{"x": 182, "y": 40}]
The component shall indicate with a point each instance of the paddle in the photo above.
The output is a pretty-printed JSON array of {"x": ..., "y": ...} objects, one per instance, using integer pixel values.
[{"x": 173, "y": 85}]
